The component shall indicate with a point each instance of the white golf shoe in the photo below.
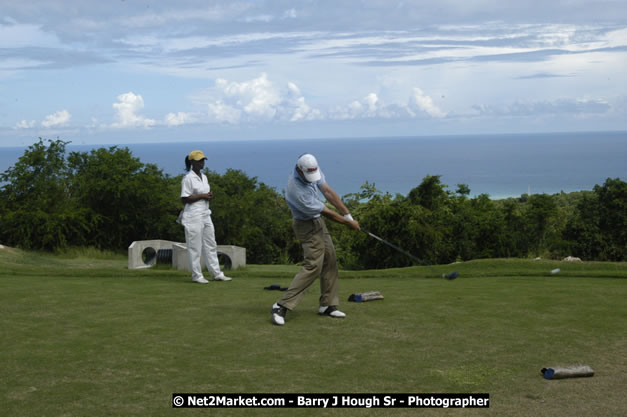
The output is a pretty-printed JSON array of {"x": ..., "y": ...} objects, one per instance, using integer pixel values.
[
  {"x": 331, "y": 311},
  {"x": 278, "y": 314},
  {"x": 222, "y": 278},
  {"x": 200, "y": 280}
]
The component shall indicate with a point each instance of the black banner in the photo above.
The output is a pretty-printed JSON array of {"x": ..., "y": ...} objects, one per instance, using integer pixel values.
[{"x": 231, "y": 400}]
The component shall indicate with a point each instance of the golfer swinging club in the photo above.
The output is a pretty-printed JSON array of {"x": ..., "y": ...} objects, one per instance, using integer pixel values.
[{"x": 302, "y": 198}]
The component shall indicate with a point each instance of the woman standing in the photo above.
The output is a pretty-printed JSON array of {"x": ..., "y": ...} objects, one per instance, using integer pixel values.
[{"x": 196, "y": 219}]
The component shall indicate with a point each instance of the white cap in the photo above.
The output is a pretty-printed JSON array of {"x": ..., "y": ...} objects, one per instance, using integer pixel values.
[{"x": 308, "y": 164}]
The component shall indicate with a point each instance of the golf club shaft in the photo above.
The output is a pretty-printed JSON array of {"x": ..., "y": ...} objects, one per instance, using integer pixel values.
[
  {"x": 421, "y": 262},
  {"x": 450, "y": 276}
]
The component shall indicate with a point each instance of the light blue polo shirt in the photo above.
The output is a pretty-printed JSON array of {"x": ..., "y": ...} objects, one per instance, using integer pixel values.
[{"x": 303, "y": 197}]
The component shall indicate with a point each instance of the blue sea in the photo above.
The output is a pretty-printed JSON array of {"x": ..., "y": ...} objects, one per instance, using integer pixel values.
[{"x": 501, "y": 166}]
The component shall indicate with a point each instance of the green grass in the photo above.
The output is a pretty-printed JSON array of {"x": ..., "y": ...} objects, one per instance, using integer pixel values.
[{"x": 83, "y": 335}]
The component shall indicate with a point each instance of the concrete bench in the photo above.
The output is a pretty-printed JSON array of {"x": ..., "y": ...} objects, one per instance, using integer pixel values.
[{"x": 147, "y": 253}]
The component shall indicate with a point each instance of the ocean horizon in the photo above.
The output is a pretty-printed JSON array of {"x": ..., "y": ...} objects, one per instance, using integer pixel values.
[{"x": 501, "y": 165}]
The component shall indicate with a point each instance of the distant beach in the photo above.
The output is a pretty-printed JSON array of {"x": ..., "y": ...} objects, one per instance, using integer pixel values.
[{"x": 498, "y": 165}]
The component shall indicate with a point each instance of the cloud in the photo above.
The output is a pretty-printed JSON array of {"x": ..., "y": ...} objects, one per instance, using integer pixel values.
[
  {"x": 290, "y": 14},
  {"x": 578, "y": 107},
  {"x": 265, "y": 18},
  {"x": 258, "y": 100},
  {"x": 30, "y": 46},
  {"x": 296, "y": 108},
  {"x": 25, "y": 124},
  {"x": 541, "y": 75},
  {"x": 205, "y": 13},
  {"x": 425, "y": 104},
  {"x": 436, "y": 45},
  {"x": 126, "y": 108},
  {"x": 222, "y": 112},
  {"x": 221, "y": 45},
  {"x": 60, "y": 118},
  {"x": 368, "y": 107},
  {"x": 180, "y": 118},
  {"x": 18, "y": 35},
  {"x": 257, "y": 97},
  {"x": 371, "y": 106}
]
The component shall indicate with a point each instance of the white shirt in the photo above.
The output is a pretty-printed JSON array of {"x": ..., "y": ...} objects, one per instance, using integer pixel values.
[{"x": 190, "y": 185}]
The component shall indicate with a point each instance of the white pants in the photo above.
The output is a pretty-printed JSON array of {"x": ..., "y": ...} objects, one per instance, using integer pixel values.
[{"x": 201, "y": 243}]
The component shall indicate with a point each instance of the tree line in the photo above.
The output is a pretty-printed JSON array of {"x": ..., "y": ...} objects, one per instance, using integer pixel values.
[{"x": 107, "y": 198}]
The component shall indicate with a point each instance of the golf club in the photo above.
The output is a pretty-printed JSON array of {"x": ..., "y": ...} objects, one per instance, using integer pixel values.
[{"x": 449, "y": 276}]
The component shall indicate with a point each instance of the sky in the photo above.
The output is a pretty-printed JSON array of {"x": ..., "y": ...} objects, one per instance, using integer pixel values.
[{"x": 127, "y": 71}]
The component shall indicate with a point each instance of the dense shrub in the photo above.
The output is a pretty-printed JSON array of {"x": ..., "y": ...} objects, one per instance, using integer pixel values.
[
  {"x": 252, "y": 215},
  {"x": 107, "y": 198}
]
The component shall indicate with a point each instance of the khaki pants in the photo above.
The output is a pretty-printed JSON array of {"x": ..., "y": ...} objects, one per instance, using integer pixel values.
[{"x": 320, "y": 262}]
